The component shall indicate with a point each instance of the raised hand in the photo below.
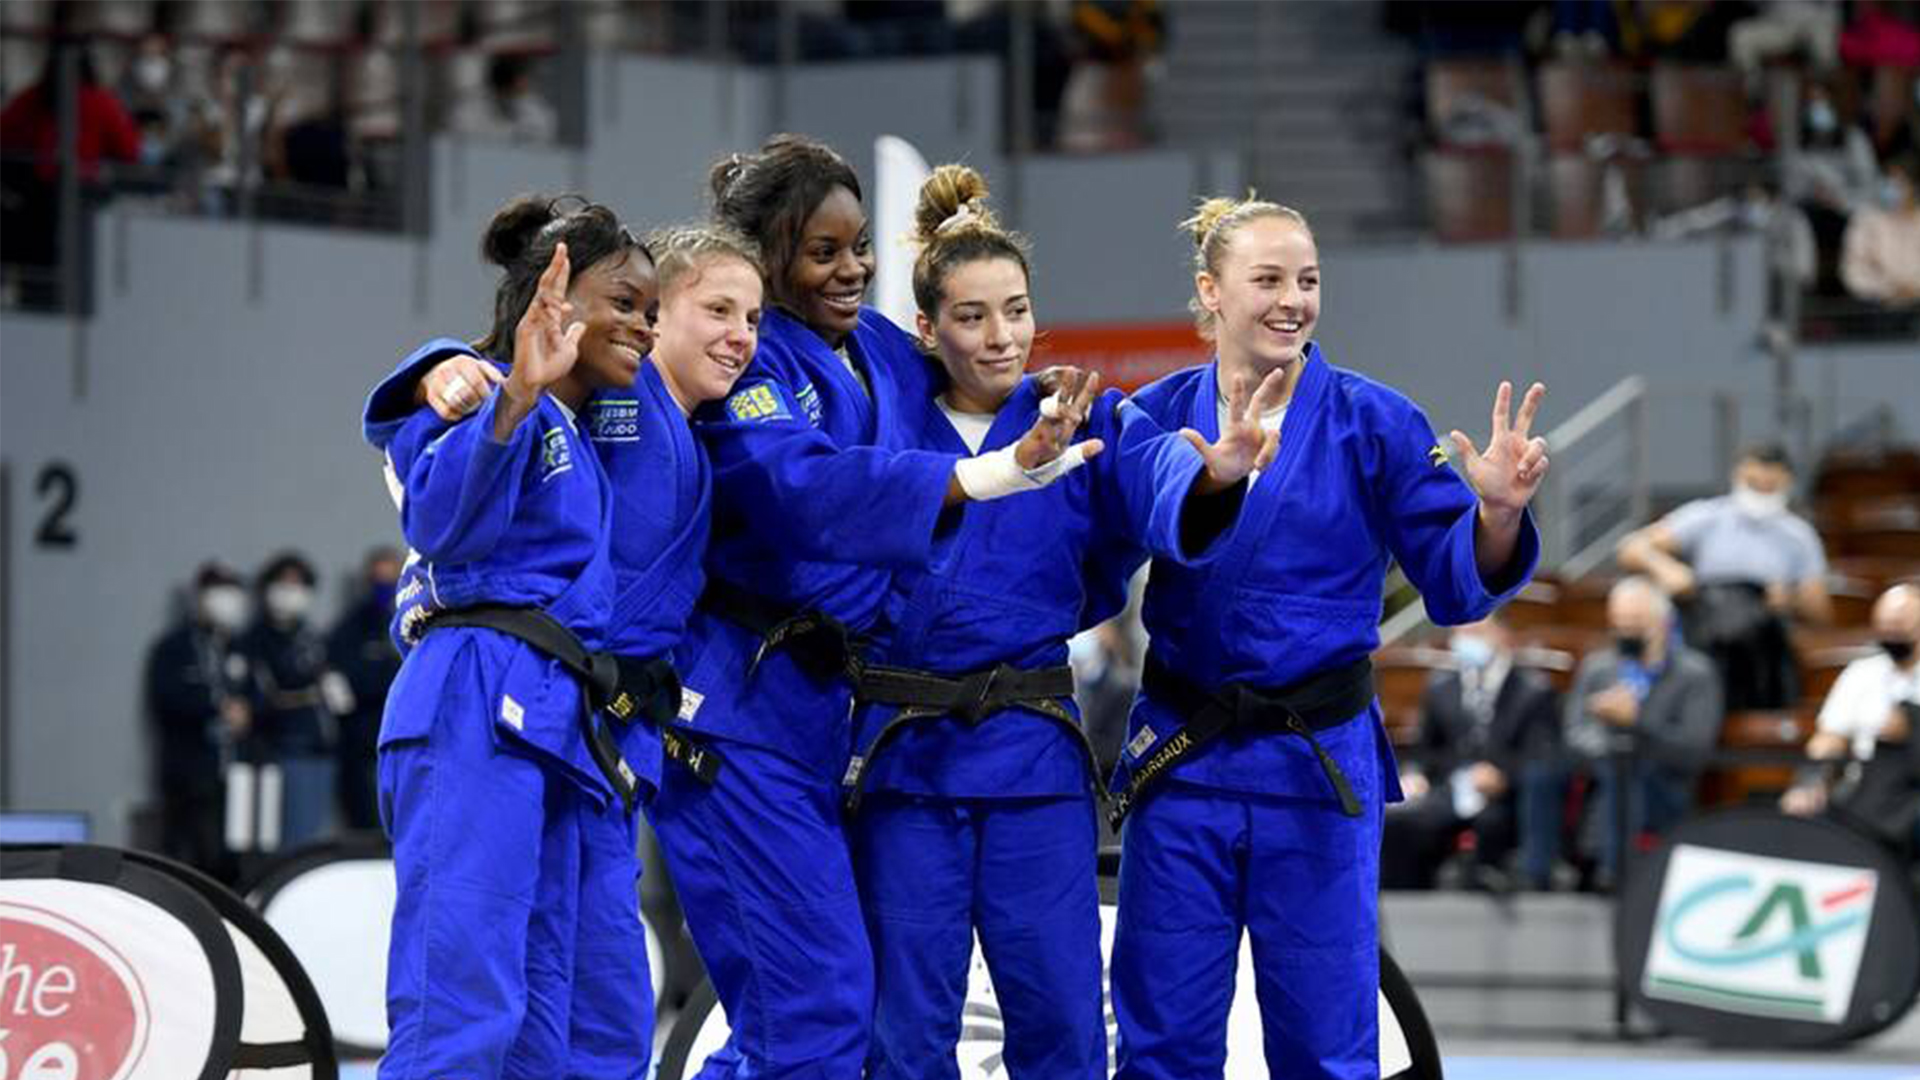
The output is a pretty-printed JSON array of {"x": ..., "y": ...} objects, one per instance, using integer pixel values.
[
  {"x": 1060, "y": 416},
  {"x": 1244, "y": 445},
  {"x": 545, "y": 345},
  {"x": 1508, "y": 474}
]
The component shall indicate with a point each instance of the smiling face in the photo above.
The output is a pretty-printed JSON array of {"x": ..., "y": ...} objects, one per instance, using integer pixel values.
[
  {"x": 709, "y": 325},
  {"x": 983, "y": 332},
  {"x": 615, "y": 298},
  {"x": 826, "y": 280},
  {"x": 1265, "y": 297}
]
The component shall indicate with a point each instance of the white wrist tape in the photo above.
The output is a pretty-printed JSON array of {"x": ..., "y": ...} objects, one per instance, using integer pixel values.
[{"x": 998, "y": 474}]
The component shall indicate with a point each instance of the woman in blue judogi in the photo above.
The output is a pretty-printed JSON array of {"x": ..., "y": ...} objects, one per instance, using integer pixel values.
[
  {"x": 1257, "y": 766},
  {"x": 587, "y": 996},
  {"x": 972, "y": 784},
  {"x": 819, "y": 497}
]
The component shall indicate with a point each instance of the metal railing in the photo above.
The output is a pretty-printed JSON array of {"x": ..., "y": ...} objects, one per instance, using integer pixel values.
[{"x": 1588, "y": 503}]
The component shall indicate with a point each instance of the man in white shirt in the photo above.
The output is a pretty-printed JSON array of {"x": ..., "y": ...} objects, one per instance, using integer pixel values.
[{"x": 1871, "y": 703}]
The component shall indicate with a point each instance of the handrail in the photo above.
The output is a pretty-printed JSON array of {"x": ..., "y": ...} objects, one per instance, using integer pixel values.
[{"x": 1628, "y": 397}]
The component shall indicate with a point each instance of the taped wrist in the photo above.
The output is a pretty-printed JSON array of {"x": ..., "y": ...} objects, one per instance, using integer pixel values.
[{"x": 998, "y": 474}]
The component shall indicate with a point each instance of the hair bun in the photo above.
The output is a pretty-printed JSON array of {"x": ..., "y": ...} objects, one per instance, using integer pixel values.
[
  {"x": 951, "y": 192},
  {"x": 514, "y": 227},
  {"x": 1208, "y": 214}
]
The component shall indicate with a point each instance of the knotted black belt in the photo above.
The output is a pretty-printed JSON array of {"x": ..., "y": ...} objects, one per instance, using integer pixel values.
[
  {"x": 625, "y": 688},
  {"x": 972, "y": 698},
  {"x": 818, "y": 642},
  {"x": 1315, "y": 703}
]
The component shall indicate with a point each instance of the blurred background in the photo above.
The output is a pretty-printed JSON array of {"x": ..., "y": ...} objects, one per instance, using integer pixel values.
[{"x": 1696, "y": 222}]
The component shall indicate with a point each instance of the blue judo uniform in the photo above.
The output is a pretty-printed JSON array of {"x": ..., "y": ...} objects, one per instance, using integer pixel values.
[
  {"x": 818, "y": 496},
  {"x": 587, "y": 997},
  {"x": 1247, "y": 833},
  {"x": 988, "y": 824}
]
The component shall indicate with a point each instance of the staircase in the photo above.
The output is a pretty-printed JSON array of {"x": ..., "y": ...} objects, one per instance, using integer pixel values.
[{"x": 1314, "y": 91}]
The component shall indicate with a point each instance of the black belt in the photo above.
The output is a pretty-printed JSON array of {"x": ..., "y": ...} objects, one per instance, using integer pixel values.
[
  {"x": 972, "y": 698},
  {"x": 625, "y": 688},
  {"x": 1315, "y": 703},
  {"x": 818, "y": 642}
]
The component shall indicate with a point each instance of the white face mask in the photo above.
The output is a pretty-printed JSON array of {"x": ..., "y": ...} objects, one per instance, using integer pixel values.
[
  {"x": 1472, "y": 652},
  {"x": 288, "y": 601},
  {"x": 224, "y": 607},
  {"x": 1759, "y": 504},
  {"x": 1820, "y": 117},
  {"x": 152, "y": 73}
]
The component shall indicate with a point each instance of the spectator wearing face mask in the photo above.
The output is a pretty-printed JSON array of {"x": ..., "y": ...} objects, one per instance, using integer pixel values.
[
  {"x": 361, "y": 651},
  {"x": 1830, "y": 177},
  {"x": 1649, "y": 695},
  {"x": 1866, "y": 730},
  {"x": 196, "y": 690},
  {"x": 294, "y": 724},
  {"x": 150, "y": 87},
  {"x": 1741, "y": 565},
  {"x": 1880, "y": 257},
  {"x": 1488, "y": 732}
]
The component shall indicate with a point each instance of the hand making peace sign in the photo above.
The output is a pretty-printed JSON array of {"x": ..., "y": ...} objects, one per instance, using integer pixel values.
[{"x": 1508, "y": 474}]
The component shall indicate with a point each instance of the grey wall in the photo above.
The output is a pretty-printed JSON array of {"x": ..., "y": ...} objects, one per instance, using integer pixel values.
[{"x": 215, "y": 422}]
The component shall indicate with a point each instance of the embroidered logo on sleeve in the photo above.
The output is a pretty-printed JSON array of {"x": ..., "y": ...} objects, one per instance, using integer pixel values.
[
  {"x": 613, "y": 421},
  {"x": 513, "y": 712},
  {"x": 809, "y": 399},
  {"x": 1437, "y": 455},
  {"x": 556, "y": 456},
  {"x": 758, "y": 402}
]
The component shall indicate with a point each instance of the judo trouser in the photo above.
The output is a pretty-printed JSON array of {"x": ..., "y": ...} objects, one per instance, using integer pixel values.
[
  {"x": 1022, "y": 873},
  {"x": 517, "y": 948},
  {"x": 760, "y": 862},
  {"x": 1199, "y": 866}
]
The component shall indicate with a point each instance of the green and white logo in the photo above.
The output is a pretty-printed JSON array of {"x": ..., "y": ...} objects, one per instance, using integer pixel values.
[{"x": 1758, "y": 935}]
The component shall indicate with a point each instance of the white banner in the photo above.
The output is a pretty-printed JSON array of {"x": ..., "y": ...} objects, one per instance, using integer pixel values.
[
  {"x": 1757, "y": 935},
  {"x": 96, "y": 982},
  {"x": 898, "y": 171}
]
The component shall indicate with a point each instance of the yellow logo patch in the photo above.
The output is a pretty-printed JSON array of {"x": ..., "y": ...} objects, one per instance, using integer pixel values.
[
  {"x": 1437, "y": 455},
  {"x": 758, "y": 403}
]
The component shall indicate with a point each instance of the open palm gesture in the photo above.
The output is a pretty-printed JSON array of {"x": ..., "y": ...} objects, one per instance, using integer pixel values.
[
  {"x": 1509, "y": 472},
  {"x": 1244, "y": 445},
  {"x": 545, "y": 344}
]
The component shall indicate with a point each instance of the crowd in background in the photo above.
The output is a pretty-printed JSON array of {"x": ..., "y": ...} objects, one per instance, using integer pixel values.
[
  {"x": 1839, "y": 211},
  {"x": 264, "y": 721}
]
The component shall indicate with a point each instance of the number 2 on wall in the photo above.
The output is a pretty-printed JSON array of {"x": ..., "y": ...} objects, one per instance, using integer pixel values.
[{"x": 61, "y": 487}]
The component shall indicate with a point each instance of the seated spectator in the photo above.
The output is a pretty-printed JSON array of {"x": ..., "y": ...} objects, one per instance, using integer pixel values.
[
  {"x": 1831, "y": 177},
  {"x": 1489, "y": 734},
  {"x": 1652, "y": 698},
  {"x": 1870, "y": 711},
  {"x": 151, "y": 88},
  {"x": 1784, "y": 29},
  {"x": 1880, "y": 257},
  {"x": 509, "y": 107},
  {"x": 1741, "y": 565},
  {"x": 197, "y": 701}
]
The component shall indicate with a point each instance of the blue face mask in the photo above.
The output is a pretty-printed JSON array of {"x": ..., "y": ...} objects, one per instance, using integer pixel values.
[
  {"x": 1471, "y": 652},
  {"x": 384, "y": 592},
  {"x": 1820, "y": 118}
]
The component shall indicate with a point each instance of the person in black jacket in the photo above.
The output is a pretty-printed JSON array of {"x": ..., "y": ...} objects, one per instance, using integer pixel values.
[
  {"x": 362, "y": 653},
  {"x": 1488, "y": 729},
  {"x": 197, "y": 700},
  {"x": 294, "y": 724}
]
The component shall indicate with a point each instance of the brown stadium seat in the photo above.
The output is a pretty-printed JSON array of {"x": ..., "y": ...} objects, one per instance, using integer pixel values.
[
  {"x": 1578, "y": 100},
  {"x": 1469, "y": 194},
  {"x": 1698, "y": 109}
]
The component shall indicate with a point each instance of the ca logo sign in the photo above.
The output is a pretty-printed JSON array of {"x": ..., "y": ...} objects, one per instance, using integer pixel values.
[{"x": 1773, "y": 937}]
